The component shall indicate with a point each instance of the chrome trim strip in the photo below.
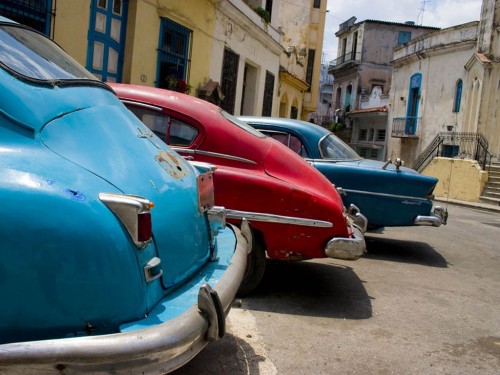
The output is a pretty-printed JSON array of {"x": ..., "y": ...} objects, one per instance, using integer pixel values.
[
  {"x": 214, "y": 154},
  {"x": 143, "y": 105},
  {"x": 384, "y": 195},
  {"x": 319, "y": 145},
  {"x": 126, "y": 207},
  {"x": 270, "y": 218},
  {"x": 159, "y": 349}
]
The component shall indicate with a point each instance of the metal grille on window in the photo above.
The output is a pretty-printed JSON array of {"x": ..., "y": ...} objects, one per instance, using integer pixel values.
[
  {"x": 228, "y": 80},
  {"x": 267, "y": 105},
  {"x": 32, "y": 13},
  {"x": 173, "y": 55}
]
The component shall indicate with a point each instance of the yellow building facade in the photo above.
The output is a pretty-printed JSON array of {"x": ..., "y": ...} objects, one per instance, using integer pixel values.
[
  {"x": 251, "y": 57},
  {"x": 142, "y": 41},
  {"x": 300, "y": 65}
]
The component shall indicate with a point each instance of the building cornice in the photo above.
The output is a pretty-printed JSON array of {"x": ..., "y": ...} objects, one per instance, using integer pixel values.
[
  {"x": 252, "y": 23},
  {"x": 477, "y": 57},
  {"x": 292, "y": 80}
]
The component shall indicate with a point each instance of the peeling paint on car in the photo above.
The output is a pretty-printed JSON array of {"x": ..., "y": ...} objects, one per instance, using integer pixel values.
[
  {"x": 75, "y": 195},
  {"x": 170, "y": 163}
]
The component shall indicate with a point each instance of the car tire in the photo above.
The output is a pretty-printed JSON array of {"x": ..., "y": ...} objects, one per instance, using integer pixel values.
[{"x": 256, "y": 266}]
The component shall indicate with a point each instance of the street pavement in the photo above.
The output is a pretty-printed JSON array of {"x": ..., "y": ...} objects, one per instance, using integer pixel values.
[{"x": 423, "y": 300}]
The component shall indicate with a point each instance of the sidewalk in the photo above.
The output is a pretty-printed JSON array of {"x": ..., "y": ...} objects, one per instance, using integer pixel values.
[{"x": 476, "y": 205}]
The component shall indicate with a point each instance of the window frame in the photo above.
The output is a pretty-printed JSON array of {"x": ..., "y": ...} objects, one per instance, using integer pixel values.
[
  {"x": 404, "y": 37},
  {"x": 458, "y": 95},
  {"x": 36, "y": 15},
  {"x": 178, "y": 33}
]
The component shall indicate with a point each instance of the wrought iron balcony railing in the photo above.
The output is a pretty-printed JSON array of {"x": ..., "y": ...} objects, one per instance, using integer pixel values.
[
  {"x": 354, "y": 57},
  {"x": 406, "y": 127}
]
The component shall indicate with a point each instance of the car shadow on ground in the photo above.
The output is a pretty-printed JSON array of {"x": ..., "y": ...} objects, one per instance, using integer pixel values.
[
  {"x": 230, "y": 355},
  {"x": 403, "y": 251},
  {"x": 311, "y": 288}
]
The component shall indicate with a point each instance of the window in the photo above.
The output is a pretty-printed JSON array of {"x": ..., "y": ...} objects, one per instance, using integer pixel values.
[
  {"x": 332, "y": 147},
  {"x": 380, "y": 135},
  {"x": 169, "y": 130},
  {"x": 173, "y": 54},
  {"x": 294, "y": 112},
  {"x": 404, "y": 36},
  {"x": 181, "y": 134},
  {"x": 267, "y": 105},
  {"x": 34, "y": 13},
  {"x": 344, "y": 50},
  {"x": 155, "y": 121},
  {"x": 310, "y": 66},
  {"x": 369, "y": 153},
  {"x": 106, "y": 39},
  {"x": 363, "y": 135},
  {"x": 317, "y": 4},
  {"x": 290, "y": 141},
  {"x": 269, "y": 8},
  {"x": 30, "y": 54},
  {"x": 229, "y": 78},
  {"x": 458, "y": 96}
]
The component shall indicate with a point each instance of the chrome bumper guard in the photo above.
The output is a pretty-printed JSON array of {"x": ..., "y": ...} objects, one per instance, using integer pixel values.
[
  {"x": 439, "y": 216},
  {"x": 357, "y": 217},
  {"x": 159, "y": 349},
  {"x": 347, "y": 248}
]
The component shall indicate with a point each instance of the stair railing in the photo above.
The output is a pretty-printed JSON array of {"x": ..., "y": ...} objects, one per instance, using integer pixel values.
[{"x": 463, "y": 145}]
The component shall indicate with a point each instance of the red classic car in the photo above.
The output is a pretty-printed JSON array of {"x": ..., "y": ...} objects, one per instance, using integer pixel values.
[{"x": 295, "y": 212}]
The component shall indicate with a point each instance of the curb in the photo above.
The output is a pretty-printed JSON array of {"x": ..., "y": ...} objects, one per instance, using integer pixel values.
[{"x": 476, "y": 205}]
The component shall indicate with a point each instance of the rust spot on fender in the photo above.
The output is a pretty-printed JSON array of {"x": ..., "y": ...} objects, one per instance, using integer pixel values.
[{"x": 171, "y": 163}]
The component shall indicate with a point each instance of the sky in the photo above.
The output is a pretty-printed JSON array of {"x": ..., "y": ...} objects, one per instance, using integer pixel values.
[{"x": 436, "y": 13}]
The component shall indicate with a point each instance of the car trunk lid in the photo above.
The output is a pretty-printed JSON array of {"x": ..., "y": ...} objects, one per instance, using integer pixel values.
[{"x": 111, "y": 150}]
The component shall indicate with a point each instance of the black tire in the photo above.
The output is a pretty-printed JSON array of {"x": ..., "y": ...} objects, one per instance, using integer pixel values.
[{"x": 256, "y": 266}]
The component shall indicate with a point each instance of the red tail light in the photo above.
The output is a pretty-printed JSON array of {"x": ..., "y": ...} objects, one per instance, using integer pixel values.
[{"x": 145, "y": 228}]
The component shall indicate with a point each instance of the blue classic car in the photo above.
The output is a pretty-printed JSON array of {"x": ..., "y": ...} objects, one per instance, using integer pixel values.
[
  {"x": 388, "y": 194},
  {"x": 113, "y": 259}
]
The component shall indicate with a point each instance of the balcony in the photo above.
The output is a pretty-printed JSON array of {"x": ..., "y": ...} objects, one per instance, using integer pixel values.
[
  {"x": 349, "y": 59},
  {"x": 406, "y": 127}
]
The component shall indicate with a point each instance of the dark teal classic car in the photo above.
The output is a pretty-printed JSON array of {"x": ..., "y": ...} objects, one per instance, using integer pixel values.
[
  {"x": 112, "y": 257},
  {"x": 387, "y": 193}
]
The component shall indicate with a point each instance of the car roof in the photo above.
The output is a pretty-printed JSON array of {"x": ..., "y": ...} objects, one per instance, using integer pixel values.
[
  {"x": 172, "y": 100},
  {"x": 307, "y": 129}
]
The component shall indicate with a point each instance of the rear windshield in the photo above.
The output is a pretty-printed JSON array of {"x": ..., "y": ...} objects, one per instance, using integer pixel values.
[
  {"x": 242, "y": 124},
  {"x": 31, "y": 54},
  {"x": 332, "y": 147}
]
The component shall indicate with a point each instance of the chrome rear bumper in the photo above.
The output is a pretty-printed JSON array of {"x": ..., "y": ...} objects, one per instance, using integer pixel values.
[
  {"x": 157, "y": 349},
  {"x": 435, "y": 219},
  {"x": 347, "y": 248}
]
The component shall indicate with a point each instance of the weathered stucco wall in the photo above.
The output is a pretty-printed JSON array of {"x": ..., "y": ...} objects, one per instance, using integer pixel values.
[
  {"x": 257, "y": 44},
  {"x": 441, "y": 66},
  {"x": 143, "y": 32},
  {"x": 458, "y": 179},
  {"x": 71, "y": 26}
]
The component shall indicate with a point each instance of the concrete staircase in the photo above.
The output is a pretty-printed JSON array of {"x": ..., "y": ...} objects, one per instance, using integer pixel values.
[{"x": 491, "y": 191}]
